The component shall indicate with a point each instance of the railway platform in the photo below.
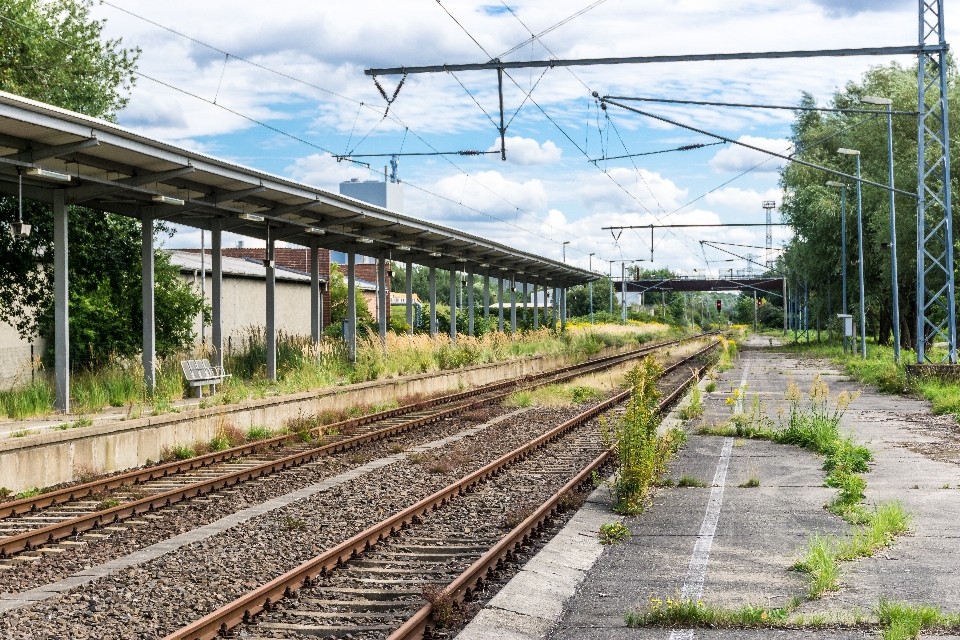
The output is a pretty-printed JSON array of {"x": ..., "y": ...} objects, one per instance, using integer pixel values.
[{"x": 728, "y": 544}]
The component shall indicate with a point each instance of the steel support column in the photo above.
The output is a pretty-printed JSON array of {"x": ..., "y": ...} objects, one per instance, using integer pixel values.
[
  {"x": 149, "y": 315},
  {"x": 352, "y": 306},
  {"x": 486, "y": 298},
  {"x": 271, "y": 310},
  {"x": 470, "y": 308},
  {"x": 500, "y": 302},
  {"x": 513, "y": 305},
  {"x": 553, "y": 318},
  {"x": 383, "y": 309},
  {"x": 536, "y": 310},
  {"x": 216, "y": 291},
  {"x": 433, "y": 301},
  {"x": 453, "y": 305},
  {"x": 563, "y": 309},
  {"x": 409, "y": 284},
  {"x": 61, "y": 312},
  {"x": 524, "y": 316},
  {"x": 316, "y": 297},
  {"x": 936, "y": 302}
]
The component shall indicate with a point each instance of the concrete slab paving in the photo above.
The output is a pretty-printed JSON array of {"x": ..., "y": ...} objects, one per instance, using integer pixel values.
[{"x": 760, "y": 532}]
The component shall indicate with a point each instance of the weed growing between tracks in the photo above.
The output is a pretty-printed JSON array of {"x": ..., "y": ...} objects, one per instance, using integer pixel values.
[
  {"x": 694, "y": 409},
  {"x": 642, "y": 455}
]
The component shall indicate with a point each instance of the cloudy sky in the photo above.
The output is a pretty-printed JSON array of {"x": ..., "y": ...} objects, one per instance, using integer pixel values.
[{"x": 297, "y": 66}]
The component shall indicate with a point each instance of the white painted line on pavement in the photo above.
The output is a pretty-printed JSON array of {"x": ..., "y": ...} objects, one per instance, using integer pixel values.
[{"x": 693, "y": 583}]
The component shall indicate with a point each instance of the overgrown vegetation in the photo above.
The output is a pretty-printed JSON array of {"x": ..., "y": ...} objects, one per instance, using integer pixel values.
[
  {"x": 613, "y": 533},
  {"x": 642, "y": 455},
  {"x": 694, "y": 408}
]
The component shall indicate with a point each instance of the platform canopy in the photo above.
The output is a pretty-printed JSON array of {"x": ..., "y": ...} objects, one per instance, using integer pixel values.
[
  {"x": 106, "y": 167},
  {"x": 772, "y": 285}
]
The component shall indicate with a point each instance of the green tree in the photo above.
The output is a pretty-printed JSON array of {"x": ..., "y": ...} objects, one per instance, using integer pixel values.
[
  {"x": 813, "y": 209},
  {"x": 52, "y": 52},
  {"x": 338, "y": 301},
  {"x": 578, "y": 299}
]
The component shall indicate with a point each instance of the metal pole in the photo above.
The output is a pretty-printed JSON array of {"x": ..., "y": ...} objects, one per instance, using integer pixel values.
[
  {"x": 500, "y": 302},
  {"x": 536, "y": 310},
  {"x": 524, "y": 303},
  {"x": 893, "y": 242},
  {"x": 352, "y": 306},
  {"x": 409, "y": 283},
  {"x": 216, "y": 290},
  {"x": 503, "y": 129},
  {"x": 556, "y": 305},
  {"x": 611, "y": 287},
  {"x": 754, "y": 309},
  {"x": 863, "y": 309},
  {"x": 513, "y": 305},
  {"x": 271, "y": 319},
  {"x": 784, "y": 307},
  {"x": 61, "y": 304},
  {"x": 433, "y": 301},
  {"x": 591, "y": 290},
  {"x": 623, "y": 291},
  {"x": 316, "y": 298},
  {"x": 843, "y": 253},
  {"x": 382, "y": 304},
  {"x": 563, "y": 309},
  {"x": 149, "y": 306},
  {"x": 203, "y": 285},
  {"x": 453, "y": 305},
  {"x": 486, "y": 298},
  {"x": 470, "y": 309}
]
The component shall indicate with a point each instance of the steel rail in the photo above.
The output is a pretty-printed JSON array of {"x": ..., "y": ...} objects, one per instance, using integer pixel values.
[
  {"x": 50, "y": 534},
  {"x": 462, "y": 588},
  {"x": 263, "y": 598},
  {"x": 66, "y": 494}
]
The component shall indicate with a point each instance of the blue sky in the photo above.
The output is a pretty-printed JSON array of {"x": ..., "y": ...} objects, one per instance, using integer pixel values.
[{"x": 547, "y": 192}]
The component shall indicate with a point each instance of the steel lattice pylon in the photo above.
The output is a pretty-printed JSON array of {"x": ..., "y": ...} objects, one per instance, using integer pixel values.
[{"x": 936, "y": 311}]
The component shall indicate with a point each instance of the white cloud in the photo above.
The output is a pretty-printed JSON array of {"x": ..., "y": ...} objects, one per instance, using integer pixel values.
[
  {"x": 743, "y": 201},
  {"x": 492, "y": 192},
  {"x": 527, "y": 151},
  {"x": 322, "y": 170},
  {"x": 738, "y": 158},
  {"x": 628, "y": 190}
]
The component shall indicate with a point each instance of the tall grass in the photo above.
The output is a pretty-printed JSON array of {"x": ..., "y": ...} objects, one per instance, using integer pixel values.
[
  {"x": 303, "y": 365},
  {"x": 32, "y": 399}
]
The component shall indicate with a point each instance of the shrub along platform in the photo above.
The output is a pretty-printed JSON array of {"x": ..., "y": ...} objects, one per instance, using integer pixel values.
[{"x": 52, "y": 457}]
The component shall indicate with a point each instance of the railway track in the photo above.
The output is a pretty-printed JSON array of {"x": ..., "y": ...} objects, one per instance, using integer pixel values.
[
  {"x": 451, "y": 543},
  {"x": 48, "y": 518}
]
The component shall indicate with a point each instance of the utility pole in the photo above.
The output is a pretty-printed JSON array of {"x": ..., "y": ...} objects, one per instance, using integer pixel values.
[{"x": 591, "y": 289}]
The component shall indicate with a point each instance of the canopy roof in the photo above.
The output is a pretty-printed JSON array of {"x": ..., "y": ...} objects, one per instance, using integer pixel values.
[{"x": 107, "y": 167}]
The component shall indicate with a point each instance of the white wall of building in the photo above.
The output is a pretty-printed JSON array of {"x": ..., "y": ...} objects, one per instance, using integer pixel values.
[{"x": 15, "y": 366}]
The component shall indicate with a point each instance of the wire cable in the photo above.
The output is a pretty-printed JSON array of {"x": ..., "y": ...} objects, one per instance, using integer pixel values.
[
  {"x": 759, "y": 106},
  {"x": 546, "y": 31},
  {"x": 361, "y": 104}
]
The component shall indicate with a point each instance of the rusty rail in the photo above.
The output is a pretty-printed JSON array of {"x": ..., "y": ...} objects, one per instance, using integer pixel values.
[
  {"x": 73, "y": 527},
  {"x": 243, "y": 609},
  {"x": 462, "y": 588}
]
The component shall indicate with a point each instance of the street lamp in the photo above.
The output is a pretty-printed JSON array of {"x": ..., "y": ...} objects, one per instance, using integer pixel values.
[
  {"x": 843, "y": 247},
  {"x": 893, "y": 223},
  {"x": 591, "y": 289},
  {"x": 863, "y": 311},
  {"x": 565, "y": 251}
]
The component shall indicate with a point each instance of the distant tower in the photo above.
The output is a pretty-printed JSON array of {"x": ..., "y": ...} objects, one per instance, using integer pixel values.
[{"x": 769, "y": 205}]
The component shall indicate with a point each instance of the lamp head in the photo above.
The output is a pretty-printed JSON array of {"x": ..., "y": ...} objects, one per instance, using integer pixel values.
[
  {"x": 875, "y": 100},
  {"x": 848, "y": 152},
  {"x": 831, "y": 183}
]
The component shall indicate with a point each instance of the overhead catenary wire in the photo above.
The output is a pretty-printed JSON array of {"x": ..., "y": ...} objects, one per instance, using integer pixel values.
[
  {"x": 686, "y": 147},
  {"x": 758, "y": 106},
  {"x": 547, "y": 30},
  {"x": 760, "y": 149},
  {"x": 360, "y": 103}
]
